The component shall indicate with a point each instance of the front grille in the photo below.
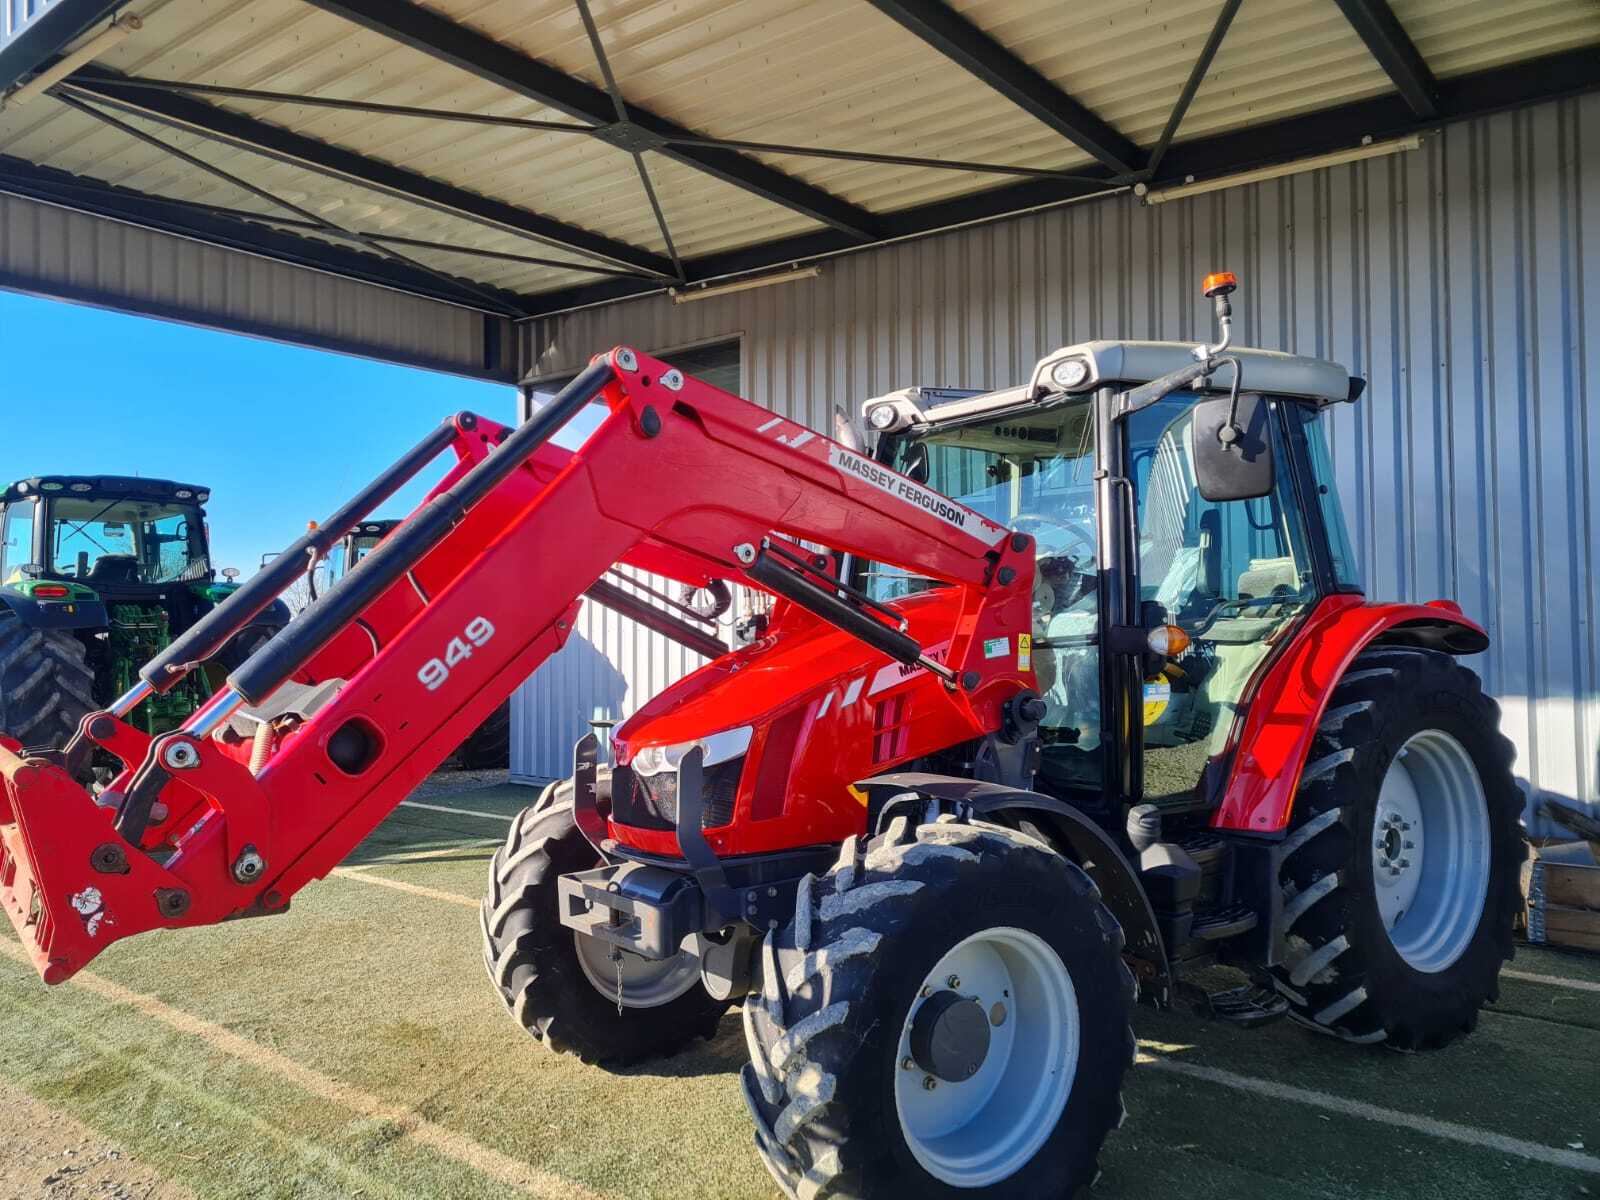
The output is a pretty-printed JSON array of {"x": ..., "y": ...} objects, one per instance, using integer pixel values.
[{"x": 652, "y": 801}]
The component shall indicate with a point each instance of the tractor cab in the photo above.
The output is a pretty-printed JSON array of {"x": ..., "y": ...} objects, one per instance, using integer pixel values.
[
  {"x": 111, "y": 568},
  {"x": 358, "y": 543},
  {"x": 1146, "y": 524},
  {"x": 112, "y": 534}
]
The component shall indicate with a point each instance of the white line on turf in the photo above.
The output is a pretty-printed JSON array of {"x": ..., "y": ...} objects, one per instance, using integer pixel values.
[
  {"x": 416, "y": 889},
  {"x": 502, "y": 1168},
  {"x": 1448, "y": 1130},
  {"x": 460, "y": 812},
  {"x": 1577, "y": 985}
]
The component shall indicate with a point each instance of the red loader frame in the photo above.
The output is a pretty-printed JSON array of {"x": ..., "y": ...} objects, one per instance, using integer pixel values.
[{"x": 444, "y": 619}]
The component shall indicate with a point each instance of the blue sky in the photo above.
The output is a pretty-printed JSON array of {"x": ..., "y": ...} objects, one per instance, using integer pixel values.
[{"x": 281, "y": 435}]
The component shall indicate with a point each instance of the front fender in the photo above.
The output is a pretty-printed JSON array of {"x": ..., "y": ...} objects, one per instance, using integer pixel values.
[{"x": 1282, "y": 718}]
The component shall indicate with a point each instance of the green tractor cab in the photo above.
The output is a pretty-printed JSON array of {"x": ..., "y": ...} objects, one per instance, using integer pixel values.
[{"x": 98, "y": 574}]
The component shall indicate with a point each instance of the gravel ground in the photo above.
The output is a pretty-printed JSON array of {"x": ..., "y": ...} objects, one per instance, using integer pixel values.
[
  {"x": 459, "y": 783},
  {"x": 46, "y": 1155}
]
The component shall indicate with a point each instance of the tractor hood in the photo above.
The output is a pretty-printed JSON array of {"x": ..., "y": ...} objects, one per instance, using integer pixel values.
[{"x": 802, "y": 714}]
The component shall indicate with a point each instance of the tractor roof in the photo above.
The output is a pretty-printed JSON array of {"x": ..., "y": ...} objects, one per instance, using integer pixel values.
[
  {"x": 1270, "y": 371},
  {"x": 1128, "y": 363},
  {"x": 382, "y": 527},
  {"x": 106, "y": 486}
]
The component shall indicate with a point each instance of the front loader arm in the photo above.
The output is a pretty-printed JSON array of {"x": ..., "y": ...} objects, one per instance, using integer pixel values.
[{"x": 441, "y": 622}]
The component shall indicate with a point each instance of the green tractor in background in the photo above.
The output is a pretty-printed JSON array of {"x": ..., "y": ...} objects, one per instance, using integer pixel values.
[
  {"x": 98, "y": 573},
  {"x": 489, "y": 746}
]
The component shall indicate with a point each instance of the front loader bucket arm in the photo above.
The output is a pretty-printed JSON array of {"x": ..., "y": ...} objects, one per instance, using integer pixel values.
[{"x": 440, "y": 623}]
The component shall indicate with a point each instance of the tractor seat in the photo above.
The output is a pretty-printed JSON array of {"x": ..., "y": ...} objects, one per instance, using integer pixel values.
[{"x": 114, "y": 568}]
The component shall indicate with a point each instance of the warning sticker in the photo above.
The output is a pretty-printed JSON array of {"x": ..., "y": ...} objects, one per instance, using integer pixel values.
[
  {"x": 1157, "y": 695},
  {"x": 911, "y": 492},
  {"x": 1024, "y": 651},
  {"x": 997, "y": 647}
]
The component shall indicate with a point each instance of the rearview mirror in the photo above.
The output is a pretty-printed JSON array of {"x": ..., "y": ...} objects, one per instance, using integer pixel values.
[
  {"x": 915, "y": 463},
  {"x": 1236, "y": 467}
]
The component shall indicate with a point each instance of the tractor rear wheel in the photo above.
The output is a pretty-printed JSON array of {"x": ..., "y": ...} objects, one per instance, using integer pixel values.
[
  {"x": 563, "y": 986},
  {"x": 946, "y": 1011},
  {"x": 46, "y": 684},
  {"x": 488, "y": 747},
  {"x": 1401, "y": 874}
]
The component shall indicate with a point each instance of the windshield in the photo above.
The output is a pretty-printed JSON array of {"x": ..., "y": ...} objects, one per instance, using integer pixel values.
[
  {"x": 361, "y": 546},
  {"x": 1033, "y": 473},
  {"x": 102, "y": 541}
]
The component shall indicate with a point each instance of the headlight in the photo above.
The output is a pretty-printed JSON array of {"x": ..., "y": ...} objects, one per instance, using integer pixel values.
[
  {"x": 718, "y": 747},
  {"x": 882, "y": 417},
  {"x": 1070, "y": 373}
]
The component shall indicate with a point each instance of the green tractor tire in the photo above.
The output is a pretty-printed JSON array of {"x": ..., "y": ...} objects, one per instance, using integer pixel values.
[{"x": 46, "y": 684}]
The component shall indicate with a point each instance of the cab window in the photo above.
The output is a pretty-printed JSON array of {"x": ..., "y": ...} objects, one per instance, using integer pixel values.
[
  {"x": 16, "y": 539},
  {"x": 1235, "y": 576}
]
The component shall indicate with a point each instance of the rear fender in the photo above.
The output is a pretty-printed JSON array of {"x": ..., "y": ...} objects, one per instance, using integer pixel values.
[
  {"x": 74, "y": 614},
  {"x": 1282, "y": 718},
  {"x": 1074, "y": 834}
]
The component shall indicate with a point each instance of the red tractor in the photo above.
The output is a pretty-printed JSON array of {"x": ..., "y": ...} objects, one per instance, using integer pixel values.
[{"x": 1067, "y": 691}]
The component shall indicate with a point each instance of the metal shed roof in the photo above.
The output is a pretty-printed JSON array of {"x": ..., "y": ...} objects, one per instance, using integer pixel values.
[{"x": 525, "y": 156}]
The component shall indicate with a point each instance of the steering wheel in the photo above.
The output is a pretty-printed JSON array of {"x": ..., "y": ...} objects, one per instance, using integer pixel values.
[{"x": 1076, "y": 537}]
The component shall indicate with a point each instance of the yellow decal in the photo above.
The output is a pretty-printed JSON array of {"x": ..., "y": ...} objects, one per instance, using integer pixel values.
[
  {"x": 1024, "y": 651},
  {"x": 1157, "y": 695},
  {"x": 858, "y": 793}
]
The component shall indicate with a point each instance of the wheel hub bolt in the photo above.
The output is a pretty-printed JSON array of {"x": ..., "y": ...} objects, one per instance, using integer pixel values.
[
  {"x": 929, "y": 1083},
  {"x": 953, "y": 982},
  {"x": 908, "y": 1063}
]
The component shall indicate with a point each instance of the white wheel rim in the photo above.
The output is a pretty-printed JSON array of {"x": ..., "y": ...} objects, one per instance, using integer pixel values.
[
  {"x": 985, "y": 1129},
  {"x": 646, "y": 982},
  {"x": 1430, "y": 851}
]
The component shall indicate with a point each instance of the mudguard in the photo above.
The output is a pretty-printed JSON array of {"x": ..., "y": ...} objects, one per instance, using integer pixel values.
[
  {"x": 1274, "y": 741},
  {"x": 82, "y": 611},
  {"x": 1088, "y": 845}
]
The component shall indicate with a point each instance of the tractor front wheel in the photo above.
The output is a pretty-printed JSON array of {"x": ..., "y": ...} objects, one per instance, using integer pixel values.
[
  {"x": 568, "y": 989},
  {"x": 1401, "y": 873},
  {"x": 947, "y": 1011},
  {"x": 46, "y": 683}
]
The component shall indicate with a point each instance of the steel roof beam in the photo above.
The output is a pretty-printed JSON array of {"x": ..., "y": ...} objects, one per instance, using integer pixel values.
[
  {"x": 959, "y": 40},
  {"x": 31, "y": 42},
  {"x": 49, "y": 186},
  {"x": 415, "y": 26},
  {"x": 325, "y": 158},
  {"x": 1381, "y": 30},
  {"x": 1197, "y": 74},
  {"x": 1460, "y": 99}
]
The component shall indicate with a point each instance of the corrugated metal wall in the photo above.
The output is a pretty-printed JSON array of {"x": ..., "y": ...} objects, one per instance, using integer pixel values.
[
  {"x": 66, "y": 255},
  {"x": 1462, "y": 279}
]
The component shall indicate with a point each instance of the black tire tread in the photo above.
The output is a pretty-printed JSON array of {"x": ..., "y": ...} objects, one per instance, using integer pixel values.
[
  {"x": 46, "y": 683},
  {"x": 801, "y": 1016},
  {"x": 488, "y": 747},
  {"x": 1331, "y": 969},
  {"x": 532, "y": 963}
]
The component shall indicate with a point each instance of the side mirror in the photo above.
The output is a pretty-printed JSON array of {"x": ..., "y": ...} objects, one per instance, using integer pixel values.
[
  {"x": 1232, "y": 458},
  {"x": 230, "y": 573},
  {"x": 32, "y": 570},
  {"x": 915, "y": 464}
]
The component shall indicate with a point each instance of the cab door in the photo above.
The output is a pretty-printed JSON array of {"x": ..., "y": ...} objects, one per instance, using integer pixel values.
[{"x": 1235, "y": 576}]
